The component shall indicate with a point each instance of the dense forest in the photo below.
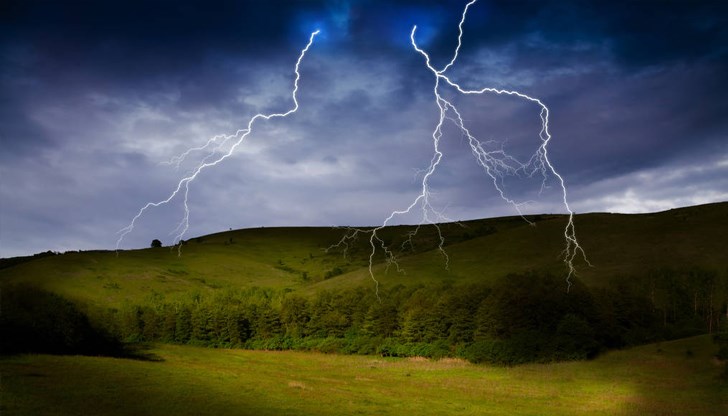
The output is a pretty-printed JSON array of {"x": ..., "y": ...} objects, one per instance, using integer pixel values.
[{"x": 518, "y": 318}]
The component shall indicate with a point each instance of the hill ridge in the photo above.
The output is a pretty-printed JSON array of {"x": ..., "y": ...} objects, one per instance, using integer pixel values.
[{"x": 296, "y": 258}]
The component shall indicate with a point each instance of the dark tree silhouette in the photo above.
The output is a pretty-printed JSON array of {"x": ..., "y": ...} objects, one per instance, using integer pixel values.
[{"x": 156, "y": 243}]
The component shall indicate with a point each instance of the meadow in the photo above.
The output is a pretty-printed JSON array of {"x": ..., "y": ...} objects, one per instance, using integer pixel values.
[{"x": 669, "y": 378}]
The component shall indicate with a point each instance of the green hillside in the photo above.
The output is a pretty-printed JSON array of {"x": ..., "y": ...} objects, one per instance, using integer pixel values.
[
  {"x": 496, "y": 292},
  {"x": 303, "y": 259}
]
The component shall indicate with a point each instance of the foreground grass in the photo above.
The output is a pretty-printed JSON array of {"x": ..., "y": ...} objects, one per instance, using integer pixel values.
[{"x": 677, "y": 378}]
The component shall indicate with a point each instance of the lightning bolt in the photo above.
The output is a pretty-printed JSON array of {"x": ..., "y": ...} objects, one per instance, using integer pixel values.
[
  {"x": 216, "y": 153},
  {"x": 495, "y": 163}
]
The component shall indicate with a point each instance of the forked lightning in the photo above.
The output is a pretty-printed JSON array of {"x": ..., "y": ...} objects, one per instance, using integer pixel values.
[
  {"x": 213, "y": 157},
  {"x": 496, "y": 164}
]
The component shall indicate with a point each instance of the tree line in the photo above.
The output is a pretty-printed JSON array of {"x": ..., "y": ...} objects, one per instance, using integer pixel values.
[
  {"x": 515, "y": 319},
  {"x": 518, "y": 318}
]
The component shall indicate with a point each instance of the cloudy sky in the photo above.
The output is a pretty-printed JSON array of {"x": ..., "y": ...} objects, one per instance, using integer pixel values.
[{"x": 95, "y": 97}]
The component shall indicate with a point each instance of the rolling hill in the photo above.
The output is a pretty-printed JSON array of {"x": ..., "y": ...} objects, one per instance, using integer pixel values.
[{"x": 306, "y": 259}]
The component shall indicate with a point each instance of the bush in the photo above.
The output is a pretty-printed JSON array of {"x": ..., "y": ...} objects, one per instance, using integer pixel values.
[
  {"x": 330, "y": 345},
  {"x": 483, "y": 351},
  {"x": 336, "y": 271},
  {"x": 575, "y": 339},
  {"x": 390, "y": 347},
  {"x": 368, "y": 346},
  {"x": 524, "y": 347},
  {"x": 276, "y": 343}
]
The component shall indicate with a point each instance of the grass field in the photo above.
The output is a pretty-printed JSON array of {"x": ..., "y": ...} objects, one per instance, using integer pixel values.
[
  {"x": 296, "y": 258},
  {"x": 672, "y": 378}
]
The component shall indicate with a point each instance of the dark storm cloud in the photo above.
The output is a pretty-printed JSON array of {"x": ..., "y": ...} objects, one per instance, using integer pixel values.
[
  {"x": 639, "y": 33},
  {"x": 19, "y": 135},
  {"x": 95, "y": 94},
  {"x": 654, "y": 71}
]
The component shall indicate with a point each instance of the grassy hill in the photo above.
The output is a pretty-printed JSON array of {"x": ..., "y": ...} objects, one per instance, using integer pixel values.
[
  {"x": 296, "y": 289},
  {"x": 303, "y": 258}
]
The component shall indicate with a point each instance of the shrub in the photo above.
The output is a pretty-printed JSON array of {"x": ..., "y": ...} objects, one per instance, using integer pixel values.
[{"x": 575, "y": 339}]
